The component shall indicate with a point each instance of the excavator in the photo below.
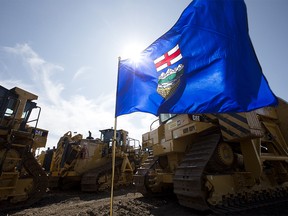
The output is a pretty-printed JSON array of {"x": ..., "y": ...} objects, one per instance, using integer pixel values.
[
  {"x": 22, "y": 180},
  {"x": 218, "y": 162},
  {"x": 86, "y": 163}
]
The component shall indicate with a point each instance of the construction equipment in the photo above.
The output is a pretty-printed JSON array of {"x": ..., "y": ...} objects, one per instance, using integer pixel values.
[
  {"x": 22, "y": 180},
  {"x": 219, "y": 162},
  {"x": 88, "y": 162}
]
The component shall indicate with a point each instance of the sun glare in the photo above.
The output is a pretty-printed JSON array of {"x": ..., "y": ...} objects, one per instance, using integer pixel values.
[{"x": 132, "y": 51}]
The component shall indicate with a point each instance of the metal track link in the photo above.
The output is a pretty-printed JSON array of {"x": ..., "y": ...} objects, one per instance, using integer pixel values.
[
  {"x": 89, "y": 181},
  {"x": 40, "y": 184},
  {"x": 188, "y": 179},
  {"x": 141, "y": 174},
  {"x": 251, "y": 200}
]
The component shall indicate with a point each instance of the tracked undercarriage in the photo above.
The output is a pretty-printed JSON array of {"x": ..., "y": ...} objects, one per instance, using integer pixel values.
[
  {"x": 143, "y": 179},
  {"x": 199, "y": 182},
  {"x": 100, "y": 179},
  {"x": 29, "y": 186},
  {"x": 224, "y": 163}
]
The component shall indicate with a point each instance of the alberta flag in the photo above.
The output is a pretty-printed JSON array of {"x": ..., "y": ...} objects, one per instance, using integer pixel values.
[{"x": 204, "y": 64}]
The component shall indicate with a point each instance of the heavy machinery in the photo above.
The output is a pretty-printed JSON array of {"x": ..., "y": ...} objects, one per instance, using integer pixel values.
[
  {"x": 219, "y": 162},
  {"x": 22, "y": 180},
  {"x": 88, "y": 162}
]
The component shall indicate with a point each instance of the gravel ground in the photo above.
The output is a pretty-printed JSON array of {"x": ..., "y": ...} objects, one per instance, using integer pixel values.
[{"x": 126, "y": 202}]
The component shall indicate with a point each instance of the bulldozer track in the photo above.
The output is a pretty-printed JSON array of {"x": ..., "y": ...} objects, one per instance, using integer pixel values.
[
  {"x": 189, "y": 184},
  {"x": 141, "y": 175},
  {"x": 89, "y": 181},
  {"x": 251, "y": 200},
  {"x": 40, "y": 184},
  {"x": 189, "y": 175}
]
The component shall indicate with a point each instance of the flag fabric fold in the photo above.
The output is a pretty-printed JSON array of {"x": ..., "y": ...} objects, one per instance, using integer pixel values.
[{"x": 205, "y": 63}]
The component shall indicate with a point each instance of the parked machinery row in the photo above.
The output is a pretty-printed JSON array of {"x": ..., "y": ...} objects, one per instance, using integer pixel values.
[
  {"x": 87, "y": 162},
  {"x": 219, "y": 162}
]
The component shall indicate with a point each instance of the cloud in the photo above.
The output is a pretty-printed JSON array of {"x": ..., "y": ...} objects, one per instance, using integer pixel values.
[
  {"x": 39, "y": 72},
  {"x": 75, "y": 112},
  {"x": 77, "y": 115},
  {"x": 81, "y": 71},
  {"x": 59, "y": 114}
]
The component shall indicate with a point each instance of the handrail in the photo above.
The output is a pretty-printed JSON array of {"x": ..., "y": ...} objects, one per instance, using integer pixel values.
[{"x": 152, "y": 124}]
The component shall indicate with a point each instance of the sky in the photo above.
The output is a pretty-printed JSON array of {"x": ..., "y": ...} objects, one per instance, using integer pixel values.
[{"x": 66, "y": 52}]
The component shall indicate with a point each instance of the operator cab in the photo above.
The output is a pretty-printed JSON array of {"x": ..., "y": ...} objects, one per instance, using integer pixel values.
[{"x": 16, "y": 106}]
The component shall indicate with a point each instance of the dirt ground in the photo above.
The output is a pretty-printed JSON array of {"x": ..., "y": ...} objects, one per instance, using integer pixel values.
[{"x": 126, "y": 202}]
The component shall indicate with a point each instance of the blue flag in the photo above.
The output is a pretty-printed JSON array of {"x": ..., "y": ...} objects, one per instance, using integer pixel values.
[{"x": 205, "y": 63}]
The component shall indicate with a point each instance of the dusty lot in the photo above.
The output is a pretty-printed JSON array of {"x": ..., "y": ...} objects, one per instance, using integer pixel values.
[{"x": 126, "y": 202}]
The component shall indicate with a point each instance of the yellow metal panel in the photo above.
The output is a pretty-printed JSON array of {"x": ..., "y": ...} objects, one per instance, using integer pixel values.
[
  {"x": 156, "y": 135},
  {"x": 254, "y": 124},
  {"x": 252, "y": 162},
  {"x": 267, "y": 112},
  {"x": 282, "y": 111},
  {"x": 192, "y": 128},
  {"x": 281, "y": 144},
  {"x": 169, "y": 147},
  {"x": 177, "y": 122},
  {"x": 239, "y": 126},
  {"x": 145, "y": 137}
]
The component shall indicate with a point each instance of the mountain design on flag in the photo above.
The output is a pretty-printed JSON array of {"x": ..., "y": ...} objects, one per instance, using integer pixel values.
[{"x": 169, "y": 81}]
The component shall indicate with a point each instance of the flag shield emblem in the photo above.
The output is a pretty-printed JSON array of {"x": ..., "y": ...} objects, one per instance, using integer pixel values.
[{"x": 169, "y": 81}]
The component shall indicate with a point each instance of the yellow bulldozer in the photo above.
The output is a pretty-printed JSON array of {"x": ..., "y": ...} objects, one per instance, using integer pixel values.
[
  {"x": 22, "y": 180},
  {"x": 87, "y": 162},
  {"x": 219, "y": 162}
]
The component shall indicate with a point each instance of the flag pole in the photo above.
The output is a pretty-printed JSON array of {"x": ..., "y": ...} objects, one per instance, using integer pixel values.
[
  {"x": 113, "y": 166},
  {"x": 114, "y": 149}
]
